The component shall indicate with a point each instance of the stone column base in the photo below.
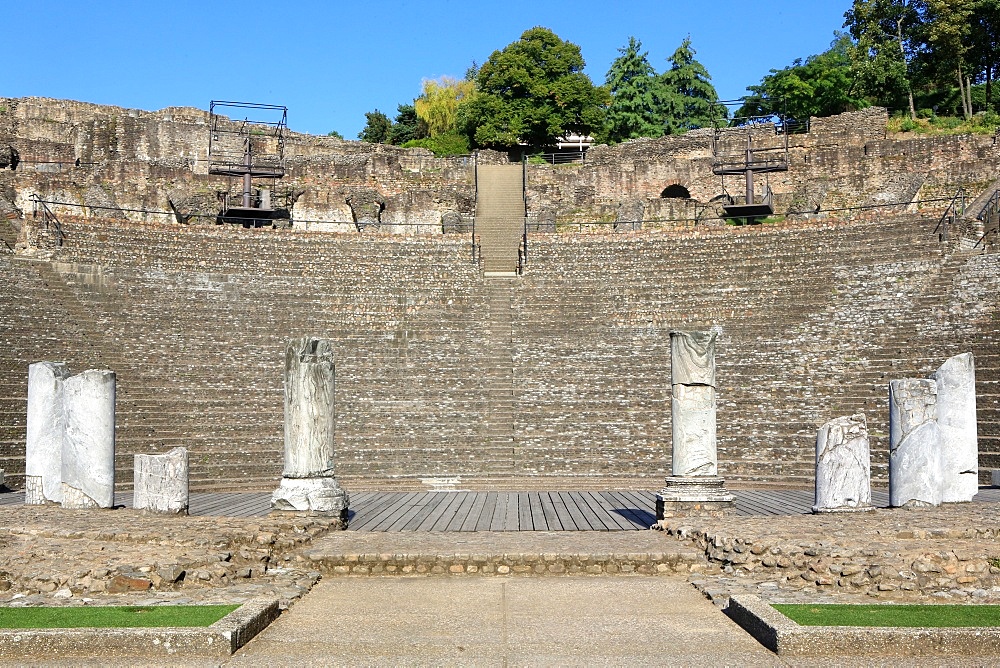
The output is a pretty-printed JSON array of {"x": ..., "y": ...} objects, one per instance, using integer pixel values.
[
  {"x": 316, "y": 495},
  {"x": 843, "y": 509},
  {"x": 695, "y": 495}
]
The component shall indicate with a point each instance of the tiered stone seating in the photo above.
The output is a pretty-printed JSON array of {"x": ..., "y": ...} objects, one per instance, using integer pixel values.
[{"x": 813, "y": 323}]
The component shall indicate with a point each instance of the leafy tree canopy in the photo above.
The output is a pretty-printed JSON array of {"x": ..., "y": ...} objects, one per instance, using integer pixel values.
[
  {"x": 407, "y": 126},
  {"x": 820, "y": 86},
  {"x": 533, "y": 91},
  {"x": 635, "y": 96},
  {"x": 688, "y": 93},
  {"x": 437, "y": 106},
  {"x": 377, "y": 128}
]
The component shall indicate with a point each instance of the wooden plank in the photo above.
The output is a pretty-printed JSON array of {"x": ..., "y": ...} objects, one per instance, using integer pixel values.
[
  {"x": 438, "y": 510},
  {"x": 475, "y": 513},
  {"x": 537, "y": 515},
  {"x": 398, "y": 509},
  {"x": 449, "y": 513},
  {"x": 486, "y": 517},
  {"x": 511, "y": 521},
  {"x": 549, "y": 511},
  {"x": 630, "y": 509},
  {"x": 574, "y": 512},
  {"x": 559, "y": 505},
  {"x": 500, "y": 512},
  {"x": 378, "y": 512},
  {"x": 463, "y": 512},
  {"x": 434, "y": 499},
  {"x": 595, "y": 515},
  {"x": 524, "y": 522},
  {"x": 611, "y": 508},
  {"x": 585, "y": 512},
  {"x": 413, "y": 507}
]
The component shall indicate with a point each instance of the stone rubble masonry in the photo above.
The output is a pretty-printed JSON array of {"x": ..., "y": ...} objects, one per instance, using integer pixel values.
[
  {"x": 956, "y": 417},
  {"x": 915, "y": 466},
  {"x": 843, "y": 466},
  {"x": 45, "y": 430},
  {"x": 308, "y": 482},
  {"x": 161, "y": 482},
  {"x": 88, "y": 456},
  {"x": 947, "y": 552},
  {"x": 133, "y": 159},
  {"x": 127, "y": 556}
]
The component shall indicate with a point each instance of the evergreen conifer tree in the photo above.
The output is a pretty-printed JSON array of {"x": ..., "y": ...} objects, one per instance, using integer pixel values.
[
  {"x": 688, "y": 93},
  {"x": 634, "y": 88}
]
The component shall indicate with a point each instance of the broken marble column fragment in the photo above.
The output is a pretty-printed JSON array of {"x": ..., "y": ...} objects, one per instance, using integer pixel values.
[
  {"x": 44, "y": 442},
  {"x": 692, "y": 382},
  {"x": 956, "y": 415},
  {"x": 88, "y": 457},
  {"x": 694, "y": 483},
  {"x": 915, "y": 472},
  {"x": 843, "y": 466},
  {"x": 161, "y": 482},
  {"x": 308, "y": 482}
]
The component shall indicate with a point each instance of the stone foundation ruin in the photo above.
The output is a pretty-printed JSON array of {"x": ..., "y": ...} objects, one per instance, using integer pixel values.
[{"x": 814, "y": 314}]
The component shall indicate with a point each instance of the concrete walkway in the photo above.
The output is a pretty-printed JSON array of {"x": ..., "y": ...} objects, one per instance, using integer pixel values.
[{"x": 410, "y": 621}]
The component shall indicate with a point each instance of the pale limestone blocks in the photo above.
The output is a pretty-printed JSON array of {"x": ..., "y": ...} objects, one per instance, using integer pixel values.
[
  {"x": 694, "y": 485},
  {"x": 44, "y": 443},
  {"x": 161, "y": 482},
  {"x": 88, "y": 453},
  {"x": 308, "y": 482},
  {"x": 843, "y": 466},
  {"x": 956, "y": 416},
  {"x": 70, "y": 445},
  {"x": 693, "y": 408},
  {"x": 915, "y": 462}
]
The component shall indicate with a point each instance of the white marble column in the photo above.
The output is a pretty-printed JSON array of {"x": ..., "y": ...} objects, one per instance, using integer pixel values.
[
  {"x": 45, "y": 428},
  {"x": 956, "y": 414},
  {"x": 915, "y": 472},
  {"x": 308, "y": 482},
  {"x": 88, "y": 458},
  {"x": 843, "y": 466},
  {"x": 160, "y": 482},
  {"x": 694, "y": 484},
  {"x": 692, "y": 384}
]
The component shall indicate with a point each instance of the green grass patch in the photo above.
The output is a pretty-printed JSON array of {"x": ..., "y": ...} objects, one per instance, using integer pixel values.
[
  {"x": 113, "y": 616},
  {"x": 928, "y": 616}
]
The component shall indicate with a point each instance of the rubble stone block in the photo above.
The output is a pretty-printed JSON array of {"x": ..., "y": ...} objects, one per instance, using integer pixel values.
[{"x": 161, "y": 482}]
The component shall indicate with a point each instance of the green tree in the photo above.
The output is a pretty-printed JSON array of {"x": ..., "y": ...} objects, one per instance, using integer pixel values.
[
  {"x": 334, "y": 133},
  {"x": 635, "y": 97},
  {"x": 438, "y": 105},
  {"x": 688, "y": 93},
  {"x": 377, "y": 128},
  {"x": 533, "y": 91},
  {"x": 407, "y": 126},
  {"x": 820, "y": 86},
  {"x": 886, "y": 43},
  {"x": 985, "y": 51},
  {"x": 949, "y": 28}
]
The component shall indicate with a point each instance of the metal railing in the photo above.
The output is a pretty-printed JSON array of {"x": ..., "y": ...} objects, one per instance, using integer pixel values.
[
  {"x": 955, "y": 208},
  {"x": 990, "y": 216},
  {"x": 522, "y": 249},
  {"x": 40, "y": 207}
]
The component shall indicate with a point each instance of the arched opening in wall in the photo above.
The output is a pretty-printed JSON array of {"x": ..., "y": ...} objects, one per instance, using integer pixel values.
[{"x": 675, "y": 191}]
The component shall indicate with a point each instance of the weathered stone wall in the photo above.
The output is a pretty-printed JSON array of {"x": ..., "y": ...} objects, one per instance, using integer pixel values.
[
  {"x": 158, "y": 161},
  {"x": 814, "y": 319}
]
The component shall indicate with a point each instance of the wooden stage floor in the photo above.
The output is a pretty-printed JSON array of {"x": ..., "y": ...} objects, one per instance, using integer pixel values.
[{"x": 505, "y": 511}]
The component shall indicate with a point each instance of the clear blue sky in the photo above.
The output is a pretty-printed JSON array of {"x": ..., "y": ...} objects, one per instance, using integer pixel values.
[{"x": 330, "y": 62}]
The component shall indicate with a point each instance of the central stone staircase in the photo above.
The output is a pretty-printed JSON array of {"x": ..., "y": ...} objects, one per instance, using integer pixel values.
[{"x": 499, "y": 217}]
